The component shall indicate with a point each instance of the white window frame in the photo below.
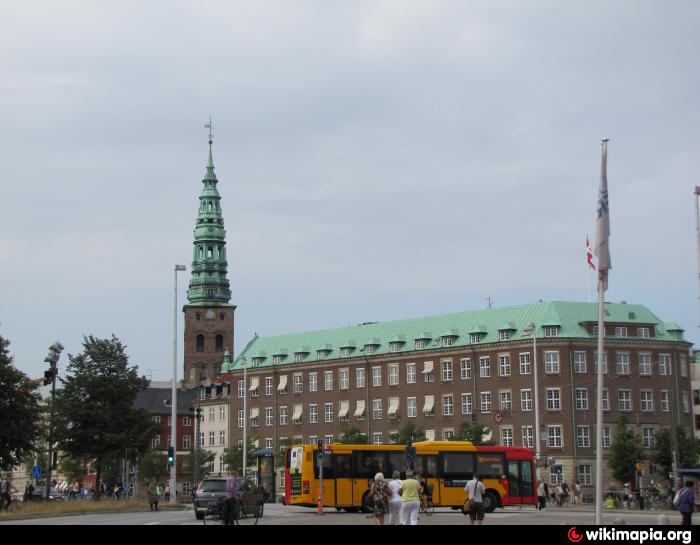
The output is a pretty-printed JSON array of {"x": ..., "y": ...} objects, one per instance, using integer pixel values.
[
  {"x": 555, "y": 436},
  {"x": 313, "y": 381},
  {"x": 284, "y": 415},
  {"x": 393, "y": 374},
  {"x": 525, "y": 400},
  {"x": 646, "y": 401},
  {"x": 505, "y": 400},
  {"x": 328, "y": 381},
  {"x": 580, "y": 365},
  {"x": 643, "y": 332},
  {"x": 328, "y": 413},
  {"x": 581, "y": 399},
  {"x": 298, "y": 379},
  {"x": 553, "y": 399},
  {"x": 622, "y": 363},
  {"x": 269, "y": 384},
  {"x": 525, "y": 362},
  {"x": 606, "y": 399},
  {"x": 551, "y": 331},
  {"x": 484, "y": 367},
  {"x": 485, "y": 398},
  {"x": 665, "y": 368},
  {"x": 465, "y": 368},
  {"x": 344, "y": 379},
  {"x": 648, "y": 436},
  {"x": 665, "y": 401},
  {"x": 411, "y": 407},
  {"x": 466, "y": 401},
  {"x": 376, "y": 377},
  {"x": 377, "y": 410},
  {"x": 585, "y": 475},
  {"x": 269, "y": 416},
  {"x": 644, "y": 364},
  {"x": 446, "y": 366},
  {"x": 360, "y": 377},
  {"x": 411, "y": 373},
  {"x": 620, "y": 331},
  {"x": 624, "y": 400},
  {"x": 551, "y": 362},
  {"x": 313, "y": 413},
  {"x": 607, "y": 436},
  {"x": 447, "y": 405},
  {"x": 583, "y": 436},
  {"x": 504, "y": 365},
  {"x": 507, "y": 436},
  {"x": 528, "y": 438}
]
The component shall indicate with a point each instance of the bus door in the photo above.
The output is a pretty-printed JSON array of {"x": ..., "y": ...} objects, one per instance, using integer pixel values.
[
  {"x": 426, "y": 467},
  {"x": 455, "y": 469},
  {"x": 343, "y": 480},
  {"x": 521, "y": 486},
  {"x": 514, "y": 482}
]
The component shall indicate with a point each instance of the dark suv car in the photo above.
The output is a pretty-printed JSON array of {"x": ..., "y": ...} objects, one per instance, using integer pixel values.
[{"x": 214, "y": 488}]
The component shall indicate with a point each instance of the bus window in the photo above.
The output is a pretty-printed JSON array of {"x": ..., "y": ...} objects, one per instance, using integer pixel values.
[
  {"x": 490, "y": 465},
  {"x": 457, "y": 464},
  {"x": 426, "y": 466},
  {"x": 327, "y": 466},
  {"x": 369, "y": 463},
  {"x": 526, "y": 478},
  {"x": 342, "y": 465},
  {"x": 397, "y": 462}
]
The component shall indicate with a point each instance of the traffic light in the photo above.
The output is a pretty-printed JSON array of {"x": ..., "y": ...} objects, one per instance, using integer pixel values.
[{"x": 171, "y": 456}]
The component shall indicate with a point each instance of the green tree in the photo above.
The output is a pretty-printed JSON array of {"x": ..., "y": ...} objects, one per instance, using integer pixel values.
[
  {"x": 625, "y": 452},
  {"x": 233, "y": 456},
  {"x": 408, "y": 433},
  {"x": 204, "y": 460},
  {"x": 688, "y": 449},
  {"x": 72, "y": 468},
  {"x": 152, "y": 465},
  {"x": 96, "y": 418},
  {"x": 352, "y": 436},
  {"x": 472, "y": 432},
  {"x": 19, "y": 412}
]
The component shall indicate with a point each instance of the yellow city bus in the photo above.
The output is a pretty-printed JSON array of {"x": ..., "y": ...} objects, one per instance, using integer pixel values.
[{"x": 445, "y": 466}]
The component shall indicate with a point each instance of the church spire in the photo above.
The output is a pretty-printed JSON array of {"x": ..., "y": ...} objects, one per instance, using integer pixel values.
[{"x": 209, "y": 284}]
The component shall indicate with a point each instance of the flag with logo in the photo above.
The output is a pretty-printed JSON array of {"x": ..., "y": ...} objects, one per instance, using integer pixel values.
[
  {"x": 602, "y": 226},
  {"x": 589, "y": 254}
]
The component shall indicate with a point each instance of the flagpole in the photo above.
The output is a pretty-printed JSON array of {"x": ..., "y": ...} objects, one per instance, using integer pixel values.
[{"x": 602, "y": 250}]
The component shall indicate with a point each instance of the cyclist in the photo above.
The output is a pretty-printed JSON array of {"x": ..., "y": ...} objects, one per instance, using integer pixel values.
[
  {"x": 6, "y": 491},
  {"x": 231, "y": 498}
]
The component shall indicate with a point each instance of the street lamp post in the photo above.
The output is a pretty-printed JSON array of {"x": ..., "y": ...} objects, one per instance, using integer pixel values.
[
  {"x": 173, "y": 402},
  {"x": 52, "y": 359},
  {"x": 531, "y": 329},
  {"x": 245, "y": 414}
]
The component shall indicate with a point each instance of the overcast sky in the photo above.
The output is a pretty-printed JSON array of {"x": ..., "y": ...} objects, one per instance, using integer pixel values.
[{"x": 377, "y": 161}]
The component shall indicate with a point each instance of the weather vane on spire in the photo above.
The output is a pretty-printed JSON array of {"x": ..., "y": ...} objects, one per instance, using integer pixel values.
[{"x": 210, "y": 126}]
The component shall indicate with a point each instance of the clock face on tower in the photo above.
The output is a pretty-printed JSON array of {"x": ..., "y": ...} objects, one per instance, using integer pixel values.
[{"x": 210, "y": 314}]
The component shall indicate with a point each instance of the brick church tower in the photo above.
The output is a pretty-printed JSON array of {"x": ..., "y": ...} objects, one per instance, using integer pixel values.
[{"x": 208, "y": 314}]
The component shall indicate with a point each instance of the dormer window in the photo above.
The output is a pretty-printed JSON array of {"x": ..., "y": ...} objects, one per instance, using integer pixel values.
[
  {"x": 345, "y": 352},
  {"x": 369, "y": 349},
  {"x": 475, "y": 338},
  {"x": 276, "y": 360},
  {"x": 504, "y": 335},
  {"x": 621, "y": 331},
  {"x": 447, "y": 341},
  {"x": 420, "y": 344},
  {"x": 551, "y": 331},
  {"x": 257, "y": 361},
  {"x": 394, "y": 347},
  {"x": 322, "y": 354},
  {"x": 299, "y": 357}
]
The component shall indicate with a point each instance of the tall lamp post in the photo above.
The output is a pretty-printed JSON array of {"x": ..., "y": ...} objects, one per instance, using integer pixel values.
[
  {"x": 50, "y": 376},
  {"x": 245, "y": 414},
  {"x": 531, "y": 329},
  {"x": 173, "y": 402}
]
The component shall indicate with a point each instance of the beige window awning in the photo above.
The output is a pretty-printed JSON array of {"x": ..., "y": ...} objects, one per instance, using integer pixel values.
[
  {"x": 254, "y": 383},
  {"x": 283, "y": 383},
  {"x": 393, "y": 405},
  {"x": 427, "y": 367},
  {"x": 254, "y": 412},
  {"x": 430, "y": 435},
  {"x": 298, "y": 409},
  {"x": 256, "y": 443},
  {"x": 344, "y": 409},
  {"x": 429, "y": 403},
  {"x": 360, "y": 410}
]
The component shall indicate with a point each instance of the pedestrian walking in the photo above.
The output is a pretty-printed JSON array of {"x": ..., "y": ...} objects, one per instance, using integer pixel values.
[
  {"x": 541, "y": 495},
  {"x": 686, "y": 503},
  {"x": 379, "y": 492},
  {"x": 231, "y": 498},
  {"x": 410, "y": 500},
  {"x": 152, "y": 493},
  {"x": 577, "y": 493},
  {"x": 395, "y": 501},
  {"x": 475, "y": 491}
]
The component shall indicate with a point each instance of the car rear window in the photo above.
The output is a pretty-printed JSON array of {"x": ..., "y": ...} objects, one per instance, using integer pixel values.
[{"x": 213, "y": 486}]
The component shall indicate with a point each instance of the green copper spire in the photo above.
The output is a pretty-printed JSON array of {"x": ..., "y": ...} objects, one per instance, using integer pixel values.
[{"x": 209, "y": 285}]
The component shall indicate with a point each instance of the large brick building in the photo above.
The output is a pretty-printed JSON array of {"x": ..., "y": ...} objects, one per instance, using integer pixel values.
[{"x": 440, "y": 371}]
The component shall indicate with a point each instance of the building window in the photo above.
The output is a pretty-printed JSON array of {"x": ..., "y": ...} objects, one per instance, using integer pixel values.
[
  {"x": 605, "y": 363},
  {"x": 360, "y": 377},
  {"x": 200, "y": 343},
  {"x": 447, "y": 371},
  {"x": 581, "y": 399},
  {"x": 394, "y": 347},
  {"x": 664, "y": 364},
  {"x": 369, "y": 349},
  {"x": 579, "y": 362},
  {"x": 506, "y": 436},
  {"x": 607, "y": 432},
  {"x": 555, "y": 437},
  {"x": 553, "y": 399},
  {"x": 284, "y": 416},
  {"x": 447, "y": 405},
  {"x": 504, "y": 335},
  {"x": 583, "y": 438},
  {"x": 685, "y": 399},
  {"x": 584, "y": 475},
  {"x": 466, "y": 404},
  {"x": 525, "y": 366},
  {"x": 528, "y": 437},
  {"x": 155, "y": 441},
  {"x": 241, "y": 389},
  {"x": 187, "y": 422},
  {"x": 506, "y": 400},
  {"x": 321, "y": 354},
  {"x": 484, "y": 367},
  {"x": 420, "y": 344},
  {"x": 298, "y": 383},
  {"x": 623, "y": 363},
  {"x": 394, "y": 374},
  {"x": 465, "y": 369},
  {"x": 156, "y": 419},
  {"x": 504, "y": 366},
  {"x": 621, "y": 332},
  {"x": 643, "y": 332},
  {"x": 222, "y": 437},
  {"x": 410, "y": 373},
  {"x": 448, "y": 434},
  {"x": 328, "y": 380},
  {"x": 276, "y": 360},
  {"x": 624, "y": 400},
  {"x": 645, "y": 365},
  {"x": 269, "y": 416},
  {"x": 474, "y": 338},
  {"x": 665, "y": 401},
  {"x": 313, "y": 414},
  {"x": 344, "y": 352},
  {"x": 328, "y": 412},
  {"x": 525, "y": 400},
  {"x": 606, "y": 400},
  {"x": 485, "y": 402},
  {"x": 212, "y": 414},
  {"x": 377, "y": 409},
  {"x": 212, "y": 439},
  {"x": 648, "y": 436},
  {"x": 411, "y": 410},
  {"x": 551, "y": 331},
  {"x": 447, "y": 341},
  {"x": 377, "y": 438},
  {"x": 376, "y": 376},
  {"x": 298, "y": 357},
  {"x": 219, "y": 343},
  {"x": 240, "y": 418},
  {"x": 268, "y": 386},
  {"x": 344, "y": 379},
  {"x": 684, "y": 366},
  {"x": 551, "y": 362},
  {"x": 186, "y": 441},
  {"x": 313, "y": 382},
  {"x": 646, "y": 400}
]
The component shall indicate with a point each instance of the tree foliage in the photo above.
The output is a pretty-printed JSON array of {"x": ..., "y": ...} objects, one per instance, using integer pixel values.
[
  {"x": 19, "y": 412},
  {"x": 474, "y": 433},
  {"x": 625, "y": 452},
  {"x": 204, "y": 459},
  {"x": 688, "y": 449},
  {"x": 409, "y": 432},
  {"x": 233, "y": 456},
  {"x": 352, "y": 436},
  {"x": 96, "y": 418}
]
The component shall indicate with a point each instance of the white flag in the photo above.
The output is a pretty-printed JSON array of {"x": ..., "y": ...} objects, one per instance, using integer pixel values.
[{"x": 602, "y": 226}]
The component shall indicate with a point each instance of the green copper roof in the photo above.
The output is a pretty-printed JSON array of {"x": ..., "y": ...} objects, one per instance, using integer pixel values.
[
  {"x": 209, "y": 284},
  {"x": 568, "y": 316}
]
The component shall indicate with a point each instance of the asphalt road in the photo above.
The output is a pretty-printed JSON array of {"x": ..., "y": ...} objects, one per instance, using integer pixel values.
[{"x": 277, "y": 514}]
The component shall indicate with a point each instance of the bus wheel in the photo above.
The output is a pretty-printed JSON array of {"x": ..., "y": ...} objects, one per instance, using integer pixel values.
[
  {"x": 490, "y": 502},
  {"x": 351, "y": 509}
]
